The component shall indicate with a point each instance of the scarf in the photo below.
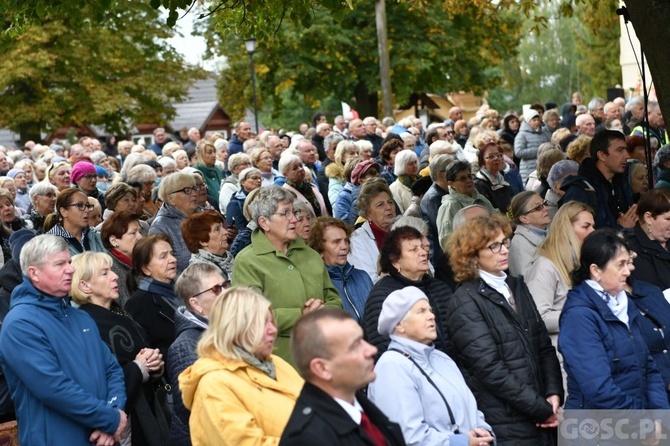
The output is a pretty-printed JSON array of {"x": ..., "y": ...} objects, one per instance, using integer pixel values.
[
  {"x": 305, "y": 188},
  {"x": 224, "y": 262},
  {"x": 617, "y": 304},
  {"x": 496, "y": 183},
  {"x": 163, "y": 289},
  {"x": 267, "y": 367},
  {"x": 407, "y": 180},
  {"x": 121, "y": 257},
  {"x": 378, "y": 233}
]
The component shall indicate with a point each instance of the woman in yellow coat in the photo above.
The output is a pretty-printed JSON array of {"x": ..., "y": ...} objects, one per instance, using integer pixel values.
[{"x": 239, "y": 394}]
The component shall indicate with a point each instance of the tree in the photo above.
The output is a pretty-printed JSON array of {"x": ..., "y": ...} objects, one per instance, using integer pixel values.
[
  {"x": 113, "y": 73},
  {"x": 337, "y": 56}
]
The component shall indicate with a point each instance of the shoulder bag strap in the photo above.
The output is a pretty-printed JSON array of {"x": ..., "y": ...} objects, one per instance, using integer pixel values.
[{"x": 454, "y": 428}]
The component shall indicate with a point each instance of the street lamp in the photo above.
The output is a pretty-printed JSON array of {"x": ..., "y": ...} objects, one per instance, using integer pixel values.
[{"x": 251, "y": 48}]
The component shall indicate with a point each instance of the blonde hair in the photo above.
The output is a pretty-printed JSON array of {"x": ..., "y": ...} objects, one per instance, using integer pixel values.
[
  {"x": 561, "y": 245},
  {"x": 86, "y": 266},
  {"x": 237, "y": 320}
]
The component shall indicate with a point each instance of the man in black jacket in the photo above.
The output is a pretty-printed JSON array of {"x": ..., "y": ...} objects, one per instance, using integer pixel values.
[{"x": 335, "y": 361}]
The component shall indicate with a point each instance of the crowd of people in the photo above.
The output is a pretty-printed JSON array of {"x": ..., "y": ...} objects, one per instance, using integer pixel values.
[{"x": 365, "y": 282}]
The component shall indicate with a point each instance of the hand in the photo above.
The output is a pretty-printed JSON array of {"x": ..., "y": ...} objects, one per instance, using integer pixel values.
[
  {"x": 655, "y": 439},
  {"x": 101, "y": 439},
  {"x": 555, "y": 402},
  {"x": 550, "y": 422},
  {"x": 479, "y": 437},
  {"x": 122, "y": 425},
  {"x": 312, "y": 305},
  {"x": 628, "y": 219},
  {"x": 154, "y": 359}
]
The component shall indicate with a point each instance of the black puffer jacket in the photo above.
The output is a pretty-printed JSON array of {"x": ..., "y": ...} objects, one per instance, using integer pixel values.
[
  {"x": 438, "y": 295},
  {"x": 510, "y": 364},
  {"x": 652, "y": 263}
]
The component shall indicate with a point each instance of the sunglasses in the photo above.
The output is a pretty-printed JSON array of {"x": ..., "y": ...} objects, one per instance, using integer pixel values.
[
  {"x": 537, "y": 208},
  {"x": 216, "y": 289}
]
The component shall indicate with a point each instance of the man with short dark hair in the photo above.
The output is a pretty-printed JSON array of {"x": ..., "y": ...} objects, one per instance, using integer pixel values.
[
  {"x": 336, "y": 362},
  {"x": 601, "y": 182}
]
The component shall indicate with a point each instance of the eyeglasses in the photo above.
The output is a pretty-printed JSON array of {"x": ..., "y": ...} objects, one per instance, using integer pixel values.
[
  {"x": 187, "y": 190},
  {"x": 496, "y": 247},
  {"x": 255, "y": 178},
  {"x": 493, "y": 157},
  {"x": 537, "y": 208},
  {"x": 90, "y": 176},
  {"x": 216, "y": 289},
  {"x": 81, "y": 206},
  {"x": 288, "y": 213},
  {"x": 469, "y": 177}
]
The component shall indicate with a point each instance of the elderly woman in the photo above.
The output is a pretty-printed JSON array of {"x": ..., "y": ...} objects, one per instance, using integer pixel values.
[
  {"x": 242, "y": 238},
  {"x": 58, "y": 174},
  {"x": 462, "y": 193},
  {"x": 637, "y": 179},
  {"x": 330, "y": 237},
  {"x": 236, "y": 163},
  {"x": 557, "y": 174},
  {"x": 250, "y": 179},
  {"x": 531, "y": 216},
  {"x": 205, "y": 155},
  {"x": 8, "y": 224},
  {"x": 279, "y": 263},
  {"x": 376, "y": 206},
  {"x": 357, "y": 171},
  {"x": 604, "y": 352},
  {"x": 261, "y": 159},
  {"x": 490, "y": 180},
  {"x": 146, "y": 176},
  {"x": 154, "y": 302},
  {"x": 499, "y": 338},
  {"x": 119, "y": 234},
  {"x": 179, "y": 194},
  {"x": 70, "y": 221},
  {"x": 549, "y": 276},
  {"x": 43, "y": 202},
  {"x": 304, "y": 224},
  {"x": 649, "y": 238},
  {"x": 22, "y": 199},
  {"x": 413, "y": 371},
  {"x": 95, "y": 290},
  {"x": 206, "y": 237},
  {"x": 198, "y": 286},
  {"x": 291, "y": 167},
  {"x": 181, "y": 158},
  {"x": 527, "y": 142},
  {"x": 122, "y": 197},
  {"x": 85, "y": 178},
  {"x": 238, "y": 392},
  {"x": 406, "y": 168},
  {"x": 344, "y": 151},
  {"x": 403, "y": 262}
]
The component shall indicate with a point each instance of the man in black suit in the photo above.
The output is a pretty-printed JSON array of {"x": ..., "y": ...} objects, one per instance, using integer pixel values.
[{"x": 336, "y": 362}]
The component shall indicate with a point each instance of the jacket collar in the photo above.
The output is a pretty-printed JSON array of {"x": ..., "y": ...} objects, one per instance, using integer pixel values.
[
  {"x": 27, "y": 294},
  {"x": 261, "y": 244},
  {"x": 587, "y": 297},
  {"x": 321, "y": 402},
  {"x": 170, "y": 211},
  {"x": 343, "y": 271},
  {"x": 646, "y": 242}
]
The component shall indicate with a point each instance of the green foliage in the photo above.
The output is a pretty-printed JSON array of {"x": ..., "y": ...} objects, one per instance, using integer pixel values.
[
  {"x": 113, "y": 73},
  {"x": 336, "y": 58},
  {"x": 560, "y": 54}
]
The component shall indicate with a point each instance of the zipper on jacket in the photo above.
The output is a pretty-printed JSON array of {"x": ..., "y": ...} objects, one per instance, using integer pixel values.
[{"x": 346, "y": 294}]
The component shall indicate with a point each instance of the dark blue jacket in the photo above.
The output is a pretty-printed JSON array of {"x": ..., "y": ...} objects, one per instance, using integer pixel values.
[
  {"x": 654, "y": 323},
  {"x": 608, "y": 363},
  {"x": 234, "y": 211},
  {"x": 235, "y": 146},
  {"x": 64, "y": 380},
  {"x": 608, "y": 199},
  {"x": 354, "y": 285}
]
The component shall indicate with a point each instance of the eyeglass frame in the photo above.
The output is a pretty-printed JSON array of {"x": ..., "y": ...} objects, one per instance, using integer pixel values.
[
  {"x": 538, "y": 208},
  {"x": 223, "y": 285},
  {"x": 496, "y": 247},
  {"x": 81, "y": 206},
  {"x": 290, "y": 213},
  {"x": 188, "y": 189}
]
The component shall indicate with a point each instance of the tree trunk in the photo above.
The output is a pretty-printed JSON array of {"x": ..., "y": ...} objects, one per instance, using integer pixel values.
[
  {"x": 30, "y": 132},
  {"x": 366, "y": 101},
  {"x": 650, "y": 20},
  {"x": 384, "y": 59}
]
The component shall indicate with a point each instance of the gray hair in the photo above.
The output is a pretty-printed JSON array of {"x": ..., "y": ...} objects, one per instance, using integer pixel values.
[
  {"x": 98, "y": 156},
  {"x": 413, "y": 222},
  {"x": 364, "y": 145},
  {"x": 41, "y": 188},
  {"x": 267, "y": 201},
  {"x": 595, "y": 102},
  {"x": 189, "y": 282},
  {"x": 333, "y": 138},
  {"x": 246, "y": 172},
  {"x": 560, "y": 170},
  {"x": 460, "y": 216},
  {"x": 302, "y": 206},
  {"x": 439, "y": 147},
  {"x": 633, "y": 102},
  {"x": 42, "y": 247},
  {"x": 236, "y": 159},
  {"x": 165, "y": 161},
  {"x": 174, "y": 182},
  {"x": 402, "y": 159},
  {"x": 141, "y": 173},
  {"x": 131, "y": 161},
  {"x": 439, "y": 164},
  {"x": 286, "y": 160}
]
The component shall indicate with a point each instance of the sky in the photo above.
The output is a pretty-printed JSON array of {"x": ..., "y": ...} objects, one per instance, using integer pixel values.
[{"x": 191, "y": 47}]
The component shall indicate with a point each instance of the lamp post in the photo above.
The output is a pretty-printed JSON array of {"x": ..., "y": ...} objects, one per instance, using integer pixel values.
[{"x": 251, "y": 48}]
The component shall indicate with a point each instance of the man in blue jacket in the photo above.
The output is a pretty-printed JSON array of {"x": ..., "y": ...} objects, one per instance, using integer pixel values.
[{"x": 67, "y": 387}]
